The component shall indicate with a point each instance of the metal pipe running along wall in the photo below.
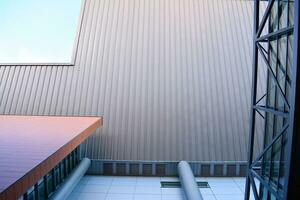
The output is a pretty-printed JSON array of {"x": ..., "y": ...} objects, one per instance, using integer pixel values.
[
  {"x": 66, "y": 188},
  {"x": 188, "y": 182}
]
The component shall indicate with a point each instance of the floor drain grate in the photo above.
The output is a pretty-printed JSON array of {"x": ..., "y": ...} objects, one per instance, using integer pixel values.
[{"x": 177, "y": 184}]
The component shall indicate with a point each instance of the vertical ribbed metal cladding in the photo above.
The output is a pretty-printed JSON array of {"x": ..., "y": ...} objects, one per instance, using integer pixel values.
[{"x": 171, "y": 79}]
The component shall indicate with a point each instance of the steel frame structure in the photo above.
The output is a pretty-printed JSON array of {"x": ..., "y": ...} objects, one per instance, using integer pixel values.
[{"x": 292, "y": 126}]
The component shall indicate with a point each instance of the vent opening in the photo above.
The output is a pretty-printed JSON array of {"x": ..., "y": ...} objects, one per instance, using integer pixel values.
[{"x": 177, "y": 184}]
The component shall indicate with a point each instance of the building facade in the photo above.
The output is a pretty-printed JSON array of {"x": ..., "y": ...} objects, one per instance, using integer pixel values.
[{"x": 171, "y": 79}]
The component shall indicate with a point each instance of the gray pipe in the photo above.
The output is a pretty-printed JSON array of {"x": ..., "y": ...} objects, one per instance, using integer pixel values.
[
  {"x": 70, "y": 183},
  {"x": 188, "y": 181}
]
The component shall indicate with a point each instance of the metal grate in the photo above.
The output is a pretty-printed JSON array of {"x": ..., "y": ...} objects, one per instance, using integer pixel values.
[{"x": 177, "y": 184}]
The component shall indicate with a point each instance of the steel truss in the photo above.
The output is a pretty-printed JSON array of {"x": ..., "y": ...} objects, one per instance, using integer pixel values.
[{"x": 291, "y": 128}]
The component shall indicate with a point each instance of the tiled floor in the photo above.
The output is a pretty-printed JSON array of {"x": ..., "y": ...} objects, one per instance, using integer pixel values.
[{"x": 146, "y": 188}]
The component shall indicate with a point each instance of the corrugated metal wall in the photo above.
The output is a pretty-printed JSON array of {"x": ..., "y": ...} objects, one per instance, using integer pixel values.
[{"x": 171, "y": 78}]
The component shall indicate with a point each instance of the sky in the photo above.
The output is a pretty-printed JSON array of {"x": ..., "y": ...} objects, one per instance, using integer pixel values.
[{"x": 38, "y": 31}]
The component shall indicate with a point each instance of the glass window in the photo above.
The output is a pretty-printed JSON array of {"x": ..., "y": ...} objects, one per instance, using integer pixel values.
[{"x": 34, "y": 31}]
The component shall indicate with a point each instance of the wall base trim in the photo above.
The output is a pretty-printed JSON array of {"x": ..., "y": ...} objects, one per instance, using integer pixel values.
[{"x": 166, "y": 168}]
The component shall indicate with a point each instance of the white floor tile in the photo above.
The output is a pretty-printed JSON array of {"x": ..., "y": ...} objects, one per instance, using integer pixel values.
[
  {"x": 206, "y": 191},
  {"x": 242, "y": 188},
  {"x": 172, "y": 191},
  {"x": 123, "y": 183},
  {"x": 208, "y": 197},
  {"x": 173, "y": 197},
  {"x": 219, "y": 179},
  {"x": 227, "y": 190},
  {"x": 83, "y": 180},
  {"x": 94, "y": 188},
  {"x": 86, "y": 196},
  {"x": 121, "y": 190},
  {"x": 148, "y": 181},
  {"x": 148, "y": 190},
  {"x": 119, "y": 197},
  {"x": 222, "y": 184},
  {"x": 91, "y": 177},
  {"x": 73, "y": 195},
  {"x": 147, "y": 197},
  {"x": 125, "y": 179},
  {"x": 239, "y": 179},
  {"x": 229, "y": 197},
  {"x": 99, "y": 182},
  {"x": 78, "y": 187}
]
